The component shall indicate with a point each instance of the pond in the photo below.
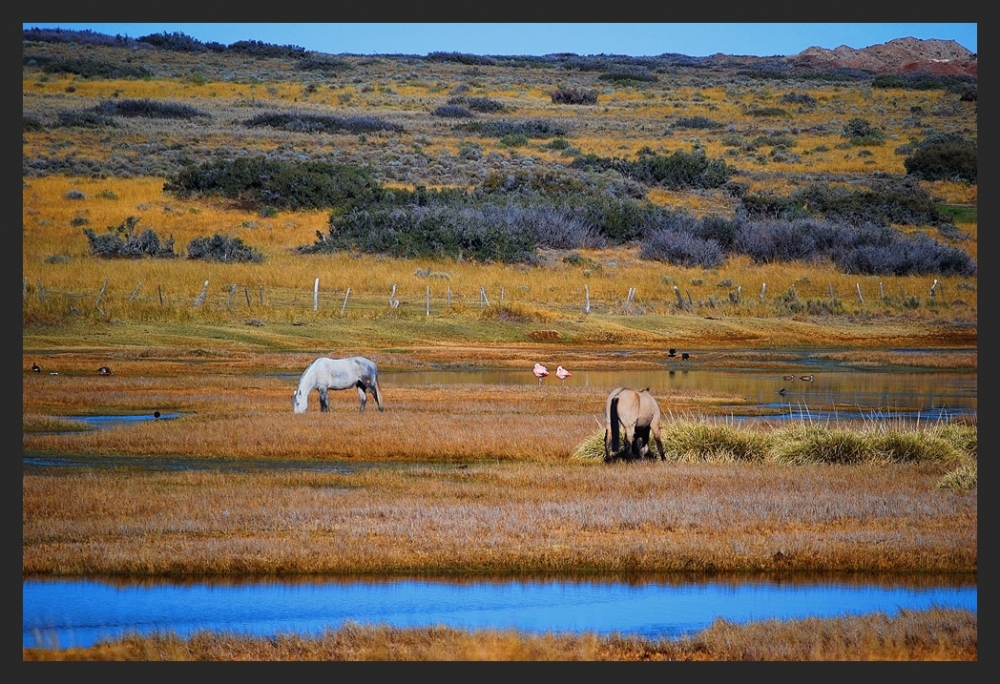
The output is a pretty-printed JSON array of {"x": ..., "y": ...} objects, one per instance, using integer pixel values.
[
  {"x": 834, "y": 394},
  {"x": 66, "y": 613}
]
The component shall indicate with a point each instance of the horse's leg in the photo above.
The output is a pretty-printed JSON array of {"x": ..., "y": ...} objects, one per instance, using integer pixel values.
[
  {"x": 642, "y": 441},
  {"x": 364, "y": 399},
  {"x": 659, "y": 444},
  {"x": 324, "y": 404},
  {"x": 377, "y": 393}
]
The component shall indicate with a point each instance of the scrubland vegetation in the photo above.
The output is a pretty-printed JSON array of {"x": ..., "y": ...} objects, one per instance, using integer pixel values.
[{"x": 246, "y": 208}]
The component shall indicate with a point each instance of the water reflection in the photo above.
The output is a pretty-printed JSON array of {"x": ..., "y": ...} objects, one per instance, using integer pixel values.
[
  {"x": 838, "y": 395},
  {"x": 65, "y": 613}
]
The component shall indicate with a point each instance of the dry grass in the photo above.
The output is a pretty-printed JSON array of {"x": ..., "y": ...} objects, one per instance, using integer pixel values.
[
  {"x": 925, "y": 635},
  {"x": 499, "y": 519}
]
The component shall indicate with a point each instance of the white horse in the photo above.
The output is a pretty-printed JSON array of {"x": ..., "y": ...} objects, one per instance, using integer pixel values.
[{"x": 325, "y": 374}]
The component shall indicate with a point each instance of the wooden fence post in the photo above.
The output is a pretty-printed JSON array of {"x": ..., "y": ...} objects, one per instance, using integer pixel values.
[
  {"x": 680, "y": 299},
  {"x": 159, "y": 291},
  {"x": 100, "y": 295},
  {"x": 586, "y": 299},
  {"x": 832, "y": 298},
  {"x": 316, "y": 295},
  {"x": 246, "y": 293},
  {"x": 763, "y": 289},
  {"x": 881, "y": 291},
  {"x": 232, "y": 291},
  {"x": 346, "y": 295},
  {"x": 428, "y": 300},
  {"x": 135, "y": 291},
  {"x": 200, "y": 299},
  {"x": 857, "y": 286}
]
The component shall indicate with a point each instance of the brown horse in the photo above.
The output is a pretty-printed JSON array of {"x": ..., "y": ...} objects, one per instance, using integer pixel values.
[{"x": 638, "y": 413}]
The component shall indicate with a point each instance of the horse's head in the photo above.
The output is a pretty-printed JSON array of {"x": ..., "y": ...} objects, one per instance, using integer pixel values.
[{"x": 300, "y": 401}]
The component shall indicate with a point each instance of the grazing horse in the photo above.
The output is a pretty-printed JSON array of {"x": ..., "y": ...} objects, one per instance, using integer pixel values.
[
  {"x": 325, "y": 374},
  {"x": 638, "y": 413}
]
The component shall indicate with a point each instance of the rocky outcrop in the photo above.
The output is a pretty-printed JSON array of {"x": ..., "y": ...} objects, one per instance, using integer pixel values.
[{"x": 899, "y": 56}]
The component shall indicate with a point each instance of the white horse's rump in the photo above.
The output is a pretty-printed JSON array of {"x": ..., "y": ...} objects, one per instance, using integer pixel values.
[{"x": 336, "y": 374}]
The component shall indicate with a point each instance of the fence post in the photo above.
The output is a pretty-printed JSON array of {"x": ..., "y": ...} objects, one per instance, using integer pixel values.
[
  {"x": 881, "y": 291},
  {"x": 200, "y": 299},
  {"x": 586, "y": 299},
  {"x": 428, "y": 300},
  {"x": 316, "y": 295},
  {"x": 483, "y": 299},
  {"x": 346, "y": 295},
  {"x": 857, "y": 286},
  {"x": 680, "y": 299},
  {"x": 159, "y": 291},
  {"x": 832, "y": 298},
  {"x": 104, "y": 287},
  {"x": 232, "y": 291},
  {"x": 449, "y": 296},
  {"x": 246, "y": 293},
  {"x": 763, "y": 289},
  {"x": 135, "y": 291}
]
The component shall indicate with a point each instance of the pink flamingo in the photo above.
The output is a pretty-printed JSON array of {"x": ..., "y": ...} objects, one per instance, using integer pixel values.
[
  {"x": 540, "y": 372},
  {"x": 562, "y": 374}
]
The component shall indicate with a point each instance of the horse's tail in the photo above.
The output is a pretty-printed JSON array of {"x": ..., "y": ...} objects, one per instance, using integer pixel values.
[
  {"x": 378, "y": 393},
  {"x": 615, "y": 426}
]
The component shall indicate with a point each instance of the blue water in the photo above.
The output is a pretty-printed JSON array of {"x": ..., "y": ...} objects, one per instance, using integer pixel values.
[{"x": 67, "y": 613}]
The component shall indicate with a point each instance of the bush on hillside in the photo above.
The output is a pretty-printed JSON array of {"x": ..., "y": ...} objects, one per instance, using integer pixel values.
[
  {"x": 124, "y": 241},
  {"x": 944, "y": 157},
  {"x": 224, "y": 249},
  {"x": 150, "y": 109},
  {"x": 258, "y": 181},
  {"x": 573, "y": 96}
]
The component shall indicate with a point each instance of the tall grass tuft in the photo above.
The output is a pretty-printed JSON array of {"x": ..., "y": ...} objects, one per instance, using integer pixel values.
[{"x": 804, "y": 443}]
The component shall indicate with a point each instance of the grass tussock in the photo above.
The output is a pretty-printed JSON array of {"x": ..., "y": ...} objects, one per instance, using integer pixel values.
[
  {"x": 935, "y": 634},
  {"x": 803, "y": 443}
]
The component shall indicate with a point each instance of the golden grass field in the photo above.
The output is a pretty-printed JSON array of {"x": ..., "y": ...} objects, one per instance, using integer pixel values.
[{"x": 495, "y": 488}]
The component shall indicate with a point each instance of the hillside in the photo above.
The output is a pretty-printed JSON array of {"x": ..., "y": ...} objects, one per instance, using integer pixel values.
[{"x": 732, "y": 196}]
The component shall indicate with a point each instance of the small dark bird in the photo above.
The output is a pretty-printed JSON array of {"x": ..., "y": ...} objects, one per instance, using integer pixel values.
[
  {"x": 685, "y": 356},
  {"x": 672, "y": 353},
  {"x": 782, "y": 391},
  {"x": 104, "y": 370},
  {"x": 788, "y": 377},
  {"x": 156, "y": 414},
  {"x": 807, "y": 378},
  {"x": 35, "y": 367}
]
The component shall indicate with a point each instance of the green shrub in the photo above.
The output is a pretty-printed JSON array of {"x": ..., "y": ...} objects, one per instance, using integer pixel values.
[
  {"x": 862, "y": 133},
  {"x": 944, "y": 158},
  {"x": 259, "y": 181},
  {"x": 224, "y": 249},
  {"x": 124, "y": 241},
  {"x": 697, "y": 122},
  {"x": 574, "y": 96}
]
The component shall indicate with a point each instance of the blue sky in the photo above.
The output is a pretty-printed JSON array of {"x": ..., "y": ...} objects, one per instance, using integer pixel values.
[{"x": 638, "y": 39}]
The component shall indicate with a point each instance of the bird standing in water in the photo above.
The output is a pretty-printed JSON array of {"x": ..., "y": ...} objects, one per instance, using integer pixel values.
[
  {"x": 562, "y": 373},
  {"x": 540, "y": 372},
  {"x": 104, "y": 370},
  {"x": 35, "y": 367}
]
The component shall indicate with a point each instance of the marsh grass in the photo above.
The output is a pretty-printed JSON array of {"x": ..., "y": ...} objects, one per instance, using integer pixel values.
[
  {"x": 500, "y": 519},
  {"x": 936, "y": 634}
]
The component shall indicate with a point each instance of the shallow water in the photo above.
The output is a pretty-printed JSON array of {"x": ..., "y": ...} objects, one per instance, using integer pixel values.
[{"x": 65, "y": 613}]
